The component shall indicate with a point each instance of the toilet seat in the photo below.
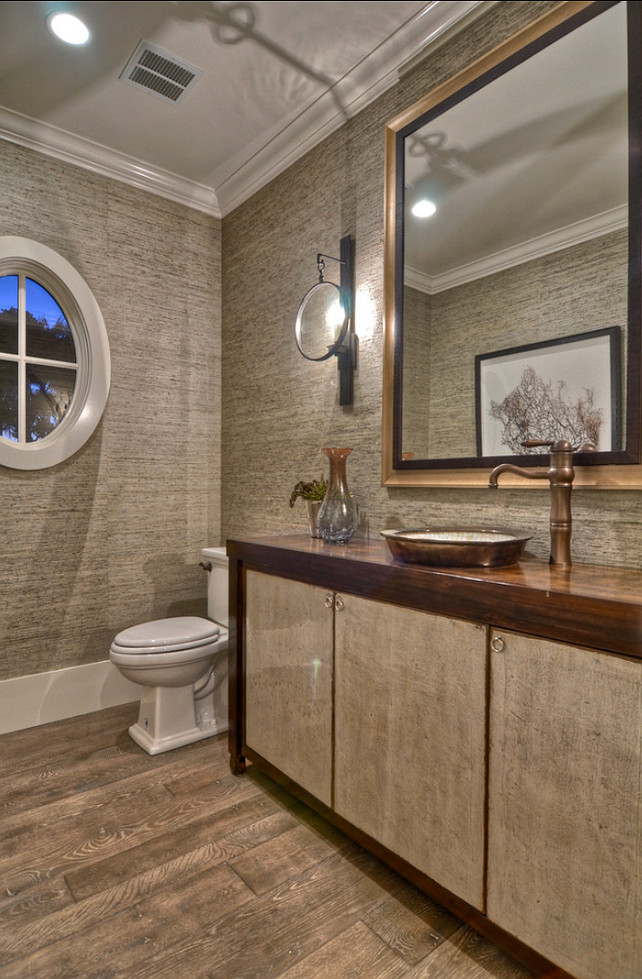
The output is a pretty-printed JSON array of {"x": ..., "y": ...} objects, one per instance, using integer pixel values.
[{"x": 166, "y": 636}]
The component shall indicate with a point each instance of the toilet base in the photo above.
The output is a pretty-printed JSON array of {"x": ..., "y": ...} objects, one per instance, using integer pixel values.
[
  {"x": 167, "y": 720},
  {"x": 154, "y": 746}
]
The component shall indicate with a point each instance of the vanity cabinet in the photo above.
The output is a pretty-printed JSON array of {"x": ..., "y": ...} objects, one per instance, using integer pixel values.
[
  {"x": 564, "y": 821},
  {"x": 410, "y": 692},
  {"x": 289, "y": 677},
  {"x": 479, "y": 730},
  {"x": 407, "y": 718}
]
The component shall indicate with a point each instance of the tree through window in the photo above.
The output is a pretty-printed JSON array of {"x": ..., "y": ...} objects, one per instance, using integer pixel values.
[
  {"x": 38, "y": 354},
  {"x": 54, "y": 357}
]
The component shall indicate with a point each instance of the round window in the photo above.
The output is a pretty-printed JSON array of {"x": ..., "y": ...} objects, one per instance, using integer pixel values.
[{"x": 54, "y": 357}]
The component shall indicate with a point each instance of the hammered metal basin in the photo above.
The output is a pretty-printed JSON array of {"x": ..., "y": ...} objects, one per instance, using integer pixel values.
[{"x": 457, "y": 547}]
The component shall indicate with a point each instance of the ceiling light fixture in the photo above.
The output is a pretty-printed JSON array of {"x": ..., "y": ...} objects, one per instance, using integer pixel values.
[{"x": 68, "y": 28}]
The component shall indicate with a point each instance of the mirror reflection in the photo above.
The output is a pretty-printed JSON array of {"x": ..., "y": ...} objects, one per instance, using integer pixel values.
[{"x": 512, "y": 257}]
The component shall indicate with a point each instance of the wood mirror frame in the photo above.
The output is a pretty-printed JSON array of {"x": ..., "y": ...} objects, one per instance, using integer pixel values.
[{"x": 612, "y": 470}]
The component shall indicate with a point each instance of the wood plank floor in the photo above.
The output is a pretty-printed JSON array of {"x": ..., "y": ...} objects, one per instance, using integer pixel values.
[{"x": 117, "y": 864}]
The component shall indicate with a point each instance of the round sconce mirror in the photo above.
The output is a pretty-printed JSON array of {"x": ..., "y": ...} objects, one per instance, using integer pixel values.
[
  {"x": 324, "y": 326},
  {"x": 322, "y": 321}
]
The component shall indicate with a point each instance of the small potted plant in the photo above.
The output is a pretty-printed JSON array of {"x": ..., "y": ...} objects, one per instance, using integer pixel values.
[{"x": 313, "y": 493}]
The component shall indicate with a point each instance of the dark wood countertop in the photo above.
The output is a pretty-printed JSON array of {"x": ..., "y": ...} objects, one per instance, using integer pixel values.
[{"x": 587, "y": 605}]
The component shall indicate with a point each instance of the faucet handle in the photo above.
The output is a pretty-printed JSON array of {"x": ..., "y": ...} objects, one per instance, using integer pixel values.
[
  {"x": 561, "y": 445},
  {"x": 555, "y": 445}
]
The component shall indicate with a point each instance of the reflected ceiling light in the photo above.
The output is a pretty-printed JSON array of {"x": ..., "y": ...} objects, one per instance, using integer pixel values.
[
  {"x": 423, "y": 208},
  {"x": 425, "y": 195},
  {"x": 68, "y": 28}
]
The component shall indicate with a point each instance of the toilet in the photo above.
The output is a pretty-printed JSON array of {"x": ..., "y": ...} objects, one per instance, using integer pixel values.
[{"x": 181, "y": 664}]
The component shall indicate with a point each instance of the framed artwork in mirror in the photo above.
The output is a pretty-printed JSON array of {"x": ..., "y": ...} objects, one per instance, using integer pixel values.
[{"x": 568, "y": 388}]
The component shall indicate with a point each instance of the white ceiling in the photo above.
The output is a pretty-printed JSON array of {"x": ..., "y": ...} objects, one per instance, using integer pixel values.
[{"x": 277, "y": 78}]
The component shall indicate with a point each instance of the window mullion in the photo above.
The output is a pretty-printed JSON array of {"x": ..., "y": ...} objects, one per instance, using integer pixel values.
[
  {"x": 71, "y": 365},
  {"x": 22, "y": 353}
]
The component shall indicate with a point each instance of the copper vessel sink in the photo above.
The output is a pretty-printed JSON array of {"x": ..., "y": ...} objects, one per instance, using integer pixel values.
[{"x": 457, "y": 547}]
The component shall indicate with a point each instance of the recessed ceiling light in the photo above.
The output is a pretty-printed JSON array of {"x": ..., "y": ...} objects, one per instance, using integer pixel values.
[{"x": 68, "y": 28}]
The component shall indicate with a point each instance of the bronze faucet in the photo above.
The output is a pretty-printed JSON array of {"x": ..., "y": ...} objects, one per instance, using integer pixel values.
[{"x": 560, "y": 475}]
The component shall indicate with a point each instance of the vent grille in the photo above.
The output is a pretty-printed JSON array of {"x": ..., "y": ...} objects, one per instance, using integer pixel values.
[{"x": 160, "y": 73}]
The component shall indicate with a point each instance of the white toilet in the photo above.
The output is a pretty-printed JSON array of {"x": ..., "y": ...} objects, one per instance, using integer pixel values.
[{"x": 182, "y": 665}]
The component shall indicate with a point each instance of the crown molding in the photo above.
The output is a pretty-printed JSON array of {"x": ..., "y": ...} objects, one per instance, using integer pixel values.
[
  {"x": 247, "y": 174},
  {"x": 54, "y": 142},
  {"x": 555, "y": 241},
  {"x": 373, "y": 76},
  {"x": 466, "y": 15}
]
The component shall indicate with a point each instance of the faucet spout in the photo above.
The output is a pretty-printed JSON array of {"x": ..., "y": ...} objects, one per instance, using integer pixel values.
[
  {"x": 560, "y": 475},
  {"x": 506, "y": 467}
]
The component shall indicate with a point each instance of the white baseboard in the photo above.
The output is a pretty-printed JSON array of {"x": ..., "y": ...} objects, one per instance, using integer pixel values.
[{"x": 26, "y": 701}]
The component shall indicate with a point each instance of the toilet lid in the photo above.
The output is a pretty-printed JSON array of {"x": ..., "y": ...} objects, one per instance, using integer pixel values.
[{"x": 182, "y": 632}]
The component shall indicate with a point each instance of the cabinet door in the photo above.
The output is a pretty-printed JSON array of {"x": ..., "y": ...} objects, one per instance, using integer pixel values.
[
  {"x": 288, "y": 679},
  {"x": 564, "y": 804},
  {"x": 410, "y": 737}
]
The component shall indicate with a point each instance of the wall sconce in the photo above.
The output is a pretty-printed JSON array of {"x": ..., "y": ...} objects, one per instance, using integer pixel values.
[{"x": 324, "y": 322}]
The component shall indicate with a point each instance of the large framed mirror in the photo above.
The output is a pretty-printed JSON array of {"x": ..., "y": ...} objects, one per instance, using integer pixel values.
[{"x": 512, "y": 259}]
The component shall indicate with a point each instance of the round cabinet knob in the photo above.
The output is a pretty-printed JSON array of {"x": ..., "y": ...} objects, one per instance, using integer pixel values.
[
  {"x": 329, "y": 601},
  {"x": 339, "y": 604},
  {"x": 498, "y": 644}
]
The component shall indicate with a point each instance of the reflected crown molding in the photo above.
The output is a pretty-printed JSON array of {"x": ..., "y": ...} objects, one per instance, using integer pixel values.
[{"x": 555, "y": 241}]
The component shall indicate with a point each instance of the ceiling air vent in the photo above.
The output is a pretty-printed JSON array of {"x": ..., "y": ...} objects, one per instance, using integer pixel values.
[{"x": 160, "y": 73}]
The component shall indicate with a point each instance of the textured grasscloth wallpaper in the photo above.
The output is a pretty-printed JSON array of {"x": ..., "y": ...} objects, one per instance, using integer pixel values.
[
  {"x": 279, "y": 410},
  {"x": 113, "y": 536}
]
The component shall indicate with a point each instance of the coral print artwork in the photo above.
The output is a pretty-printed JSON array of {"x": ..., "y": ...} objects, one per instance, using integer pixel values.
[{"x": 567, "y": 389}]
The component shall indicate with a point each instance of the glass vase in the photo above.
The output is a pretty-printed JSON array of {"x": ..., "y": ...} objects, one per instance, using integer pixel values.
[
  {"x": 338, "y": 518},
  {"x": 313, "y": 516}
]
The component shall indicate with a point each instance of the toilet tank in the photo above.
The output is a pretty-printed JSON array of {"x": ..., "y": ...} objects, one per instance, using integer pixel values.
[{"x": 217, "y": 584}]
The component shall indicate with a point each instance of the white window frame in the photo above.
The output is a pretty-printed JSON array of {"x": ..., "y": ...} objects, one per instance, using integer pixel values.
[{"x": 73, "y": 295}]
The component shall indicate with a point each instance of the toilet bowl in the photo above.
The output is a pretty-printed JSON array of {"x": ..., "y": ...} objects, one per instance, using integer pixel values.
[{"x": 181, "y": 665}]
